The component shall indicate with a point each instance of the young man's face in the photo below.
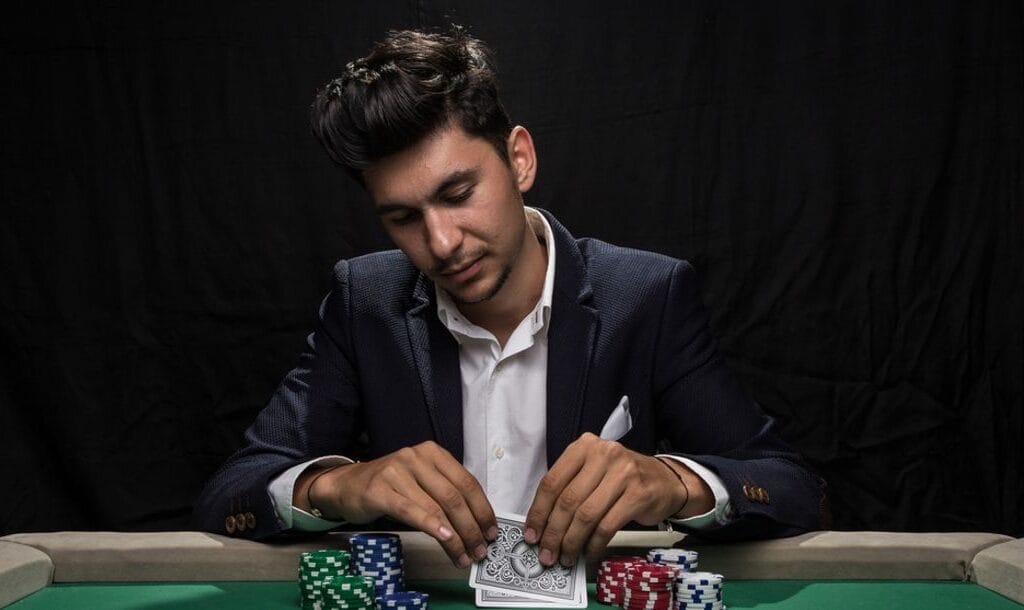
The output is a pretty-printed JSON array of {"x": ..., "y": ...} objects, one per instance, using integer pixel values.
[{"x": 455, "y": 208}]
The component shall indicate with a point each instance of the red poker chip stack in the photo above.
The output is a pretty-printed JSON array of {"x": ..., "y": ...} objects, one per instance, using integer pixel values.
[
  {"x": 649, "y": 586},
  {"x": 611, "y": 578}
]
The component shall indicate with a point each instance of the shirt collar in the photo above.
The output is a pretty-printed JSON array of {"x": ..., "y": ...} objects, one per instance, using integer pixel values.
[{"x": 460, "y": 327}]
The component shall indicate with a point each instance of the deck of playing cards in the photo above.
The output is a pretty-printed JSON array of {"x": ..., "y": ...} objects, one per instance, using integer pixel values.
[{"x": 511, "y": 576}]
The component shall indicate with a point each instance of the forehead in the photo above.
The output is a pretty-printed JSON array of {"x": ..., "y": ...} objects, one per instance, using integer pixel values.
[{"x": 413, "y": 174}]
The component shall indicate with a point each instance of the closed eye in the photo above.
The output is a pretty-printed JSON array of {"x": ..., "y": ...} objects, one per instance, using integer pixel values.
[
  {"x": 459, "y": 197},
  {"x": 402, "y": 217}
]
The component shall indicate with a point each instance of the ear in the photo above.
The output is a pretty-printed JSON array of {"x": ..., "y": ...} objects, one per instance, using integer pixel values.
[{"x": 522, "y": 157}]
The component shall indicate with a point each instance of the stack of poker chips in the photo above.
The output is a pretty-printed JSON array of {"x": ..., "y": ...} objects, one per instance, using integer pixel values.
[
  {"x": 611, "y": 578},
  {"x": 403, "y": 600},
  {"x": 649, "y": 586},
  {"x": 698, "y": 591},
  {"x": 379, "y": 556},
  {"x": 315, "y": 567},
  {"x": 346, "y": 592},
  {"x": 681, "y": 559}
]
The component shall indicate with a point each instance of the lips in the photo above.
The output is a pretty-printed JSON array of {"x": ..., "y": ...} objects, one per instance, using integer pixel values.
[{"x": 464, "y": 273}]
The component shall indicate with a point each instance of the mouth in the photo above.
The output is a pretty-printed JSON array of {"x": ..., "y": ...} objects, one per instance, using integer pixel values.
[{"x": 463, "y": 273}]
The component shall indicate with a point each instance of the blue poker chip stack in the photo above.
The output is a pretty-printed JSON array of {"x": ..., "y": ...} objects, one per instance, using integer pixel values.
[
  {"x": 379, "y": 556},
  {"x": 698, "y": 591},
  {"x": 403, "y": 600}
]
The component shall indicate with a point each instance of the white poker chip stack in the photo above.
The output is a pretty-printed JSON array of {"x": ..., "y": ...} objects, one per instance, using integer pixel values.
[
  {"x": 693, "y": 590},
  {"x": 681, "y": 559},
  {"x": 698, "y": 591}
]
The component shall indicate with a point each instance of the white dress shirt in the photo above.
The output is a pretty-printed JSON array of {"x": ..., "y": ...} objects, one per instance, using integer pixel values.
[
  {"x": 504, "y": 394},
  {"x": 504, "y": 411}
]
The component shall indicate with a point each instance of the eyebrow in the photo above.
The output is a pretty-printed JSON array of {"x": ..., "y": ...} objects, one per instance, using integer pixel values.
[{"x": 452, "y": 179}]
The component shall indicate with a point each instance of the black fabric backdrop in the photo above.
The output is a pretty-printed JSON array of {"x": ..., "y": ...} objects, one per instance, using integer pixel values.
[{"x": 846, "y": 178}]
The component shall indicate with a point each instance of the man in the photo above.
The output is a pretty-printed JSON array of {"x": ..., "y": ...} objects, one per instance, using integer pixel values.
[{"x": 494, "y": 362}]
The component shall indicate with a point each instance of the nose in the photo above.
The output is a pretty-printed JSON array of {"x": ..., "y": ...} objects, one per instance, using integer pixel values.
[{"x": 444, "y": 237}]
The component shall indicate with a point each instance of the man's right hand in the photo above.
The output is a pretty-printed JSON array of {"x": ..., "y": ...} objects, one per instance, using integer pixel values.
[{"x": 422, "y": 486}]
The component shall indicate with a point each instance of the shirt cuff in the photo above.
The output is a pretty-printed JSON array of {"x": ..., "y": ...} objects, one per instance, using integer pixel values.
[
  {"x": 719, "y": 515},
  {"x": 282, "y": 487}
]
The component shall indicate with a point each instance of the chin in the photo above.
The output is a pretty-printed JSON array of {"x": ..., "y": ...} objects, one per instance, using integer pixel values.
[
  {"x": 475, "y": 295},
  {"x": 478, "y": 292},
  {"x": 471, "y": 298}
]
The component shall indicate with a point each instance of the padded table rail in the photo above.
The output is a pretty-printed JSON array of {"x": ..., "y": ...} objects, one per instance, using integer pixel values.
[{"x": 986, "y": 568}]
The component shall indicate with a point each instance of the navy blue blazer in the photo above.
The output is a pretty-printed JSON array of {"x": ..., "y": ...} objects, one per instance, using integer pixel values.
[{"x": 381, "y": 373}]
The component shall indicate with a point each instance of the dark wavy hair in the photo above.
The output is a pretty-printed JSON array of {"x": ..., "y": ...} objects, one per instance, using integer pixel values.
[{"x": 411, "y": 84}]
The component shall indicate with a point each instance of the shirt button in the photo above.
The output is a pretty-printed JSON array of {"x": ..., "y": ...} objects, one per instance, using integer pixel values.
[{"x": 499, "y": 452}]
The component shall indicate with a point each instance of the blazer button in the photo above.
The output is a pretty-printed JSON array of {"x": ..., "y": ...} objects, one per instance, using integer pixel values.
[
  {"x": 229, "y": 524},
  {"x": 766, "y": 499},
  {"x": 250, "y": 521},
  {"x": 746, "y": 492},
  {"x": 240, "y": 522}
]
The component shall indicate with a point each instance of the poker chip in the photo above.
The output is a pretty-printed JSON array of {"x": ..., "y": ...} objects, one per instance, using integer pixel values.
[
  {"x": 683, "y": 559},
  {"x": 611, "y": 578},
  {"x": 379, "y": 557},
  {"x": 648, "y": 586},
  {"x": 317, "y": 568},
  {"x": 699, "y": 591},
  {"x": 403, "y": 600},
  {"x": 666, "y": 579},
  {"x": 700, "y": 578},
  {"x": 346, "y": 592}
]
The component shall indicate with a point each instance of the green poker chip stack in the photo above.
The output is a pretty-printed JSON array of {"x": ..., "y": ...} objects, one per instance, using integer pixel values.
[
  {"x": 347, "y": 592},
  {"x": 315, "y": 567}
]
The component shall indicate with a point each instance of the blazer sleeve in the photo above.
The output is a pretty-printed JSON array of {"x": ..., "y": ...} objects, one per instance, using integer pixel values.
[
  {"x": 710, "y": 419},
  {"x": 315, "y": 411}
]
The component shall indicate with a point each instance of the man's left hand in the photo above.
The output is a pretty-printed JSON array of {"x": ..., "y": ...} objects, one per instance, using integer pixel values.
[{"x": 598, "y": 486}]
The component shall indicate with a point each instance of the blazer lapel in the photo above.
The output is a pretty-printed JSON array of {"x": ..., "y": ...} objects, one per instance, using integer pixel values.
[
  {"x": 571, "y": 336},
  {"x": 437, "y": 361}
]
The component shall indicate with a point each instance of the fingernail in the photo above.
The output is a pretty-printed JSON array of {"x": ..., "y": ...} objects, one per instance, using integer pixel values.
[
  {"x": 546, "y": 557},
  {"x": 463, "y": 561},
  {"x": 492, "y": 533},
  {"x": 480, "y": 552},
  {"x": 444, "y": 533},
  {"x": 566, "y": 561},
  {"x": 531, "y": 535}
]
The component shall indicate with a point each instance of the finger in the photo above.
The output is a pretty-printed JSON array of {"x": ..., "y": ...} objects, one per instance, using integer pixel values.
[
  {"x": 456, "y": 506},
  {"x": 401, "y": 497},
  {"x": 566, "y": 510},
  {"x": 421, "y": 512},
  {"x": 549, "y": 489},
  {"x": 618, "y": 515},
  {"x": 446, "y": 488},
  {"x": 472, "y": 492},
  {"x": 589, "y": 516}
]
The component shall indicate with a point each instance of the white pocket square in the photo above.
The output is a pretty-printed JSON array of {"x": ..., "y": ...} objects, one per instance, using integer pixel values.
[{"x": 619, "y": 422}]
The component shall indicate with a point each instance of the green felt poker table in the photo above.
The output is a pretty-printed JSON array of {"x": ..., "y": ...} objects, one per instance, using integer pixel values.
[
  {"x": 820, "y": 570},
  {"x": 456, "y": 595}
]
